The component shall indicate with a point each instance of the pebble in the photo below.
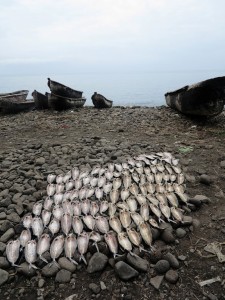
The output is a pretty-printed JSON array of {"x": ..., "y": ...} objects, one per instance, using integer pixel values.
[
  {"x": 187, "y": 221},
  {"x": 222, "y": 164},
  {"x": 63, "y": 276},
  {"x": 171, "y": 276},
  {"x": 124, "y": 271},
  {"x": 103, "y": 286},
  {"x": 2, "y": 247},
  {"x": 180, "y": 233},
  {"x": 4, "y": 264},
  {"x": 2, "y": 215},
  {"x": 97, "y": 262},
  {"x": 156, "y": 281},
  {"x": 138, "y": 263},
  {"x": 26, "y": 270},
  {"x": 94, "y": 288},
  {"x": 41, "y": 283},
  {"x": 67, "y": 264},
  {"x": 162, "y": 266},
  {"x": 205, "y": 179},
  {"x": 167, "y": 236},
  {"x": 182, "y": 257},
  {"x": 202, "y": 198},
  {"x": 4, "y": 275},
  {"x": 13, "y": 217},
  {"x": 7, "y": 235},
  {"x": 49, "y": 270},
  {"x": 174, "y": 263}
]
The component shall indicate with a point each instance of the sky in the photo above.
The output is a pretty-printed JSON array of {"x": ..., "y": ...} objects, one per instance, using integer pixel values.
[{"x": 111, "y": 35}]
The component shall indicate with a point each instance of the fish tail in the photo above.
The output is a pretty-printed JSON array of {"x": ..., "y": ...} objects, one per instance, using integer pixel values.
[
  {"x": 83, "y": 258},
  {"x": 42, "y": 258},
  {"x": 170, "y": 220},
  {"x": 73, "y": 261},
  {"x": 14, "y": 265},
  {"x": 32, "y": 266},
  {"x": 161, "y": 220},
  {"x": 95, "y": 243}
]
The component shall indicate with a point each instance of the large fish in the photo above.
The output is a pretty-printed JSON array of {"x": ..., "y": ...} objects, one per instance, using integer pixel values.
[
  {"x": 102, "y": 224},
  {"x": 66, "y": 223},
  {"x": 43, "y": 245},
  {"x": 37, "y": 226},
  {"x": 30, "y": 253},
  {"x": 82, "y": 242},
  {"x": 115, "y": 224},
  {"x": 77, "y": 225},
  {"x": 112, "y": 242},
  {"x": 13, "y": 251},
  {"x": 70, "y": 246},
  {"x": 56, "y": 248}
]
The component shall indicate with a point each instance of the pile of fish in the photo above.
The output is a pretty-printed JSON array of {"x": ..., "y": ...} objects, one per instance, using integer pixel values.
[{"x": 118, "y": 203}]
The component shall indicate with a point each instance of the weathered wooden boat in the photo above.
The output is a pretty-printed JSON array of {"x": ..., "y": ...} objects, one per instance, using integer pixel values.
[
  {"x": 15, "y": 102},
  {"x": 63, "y": 90},
  {"x": 100, "y": 101},
  {"x": 206, "y": 98},
  {"x": 60, "y": 103},
  {"x": 41, "y": 100}
]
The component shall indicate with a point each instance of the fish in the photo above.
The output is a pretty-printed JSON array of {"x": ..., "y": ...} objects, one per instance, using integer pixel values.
[
  {"x": 124, "y": 194},
  {"x": 102, "y": 224},
  {"x": 141, "y": 199},
  {"x": 93, "y": 182},
  {"x": 107, "y": 187},
  {"x": 56, "y": 248},
  {"x": 67, "y": 177},
  {"x": 27, "y": 221},
  {"x": 132, "y": 204},
  {"x": 180, "y": 178},
  {"x": 160, "y": 167},
  {"x": 177, "y": 214},
  {"x": 150, "y": 187},
  {"x": 124, "y": 242},
  {"x": 118, "y": 167},
  {"x": 114, "y": 196},
  {"x": 48, "y": 202},
  {"x": 70, "y": 246},
  {"x": 66, "y": 195},
  {"x": 89, "y": 192},
  {"x": 76, "y": 207},
  {"x": 74, "y": 195},
  {"x": 86, "y": 180},
  {"x": 156, "y": 211},
  {"x": 135, "y": 177},
  {"x": 134, "y": 237},
  {"x": 143, "y": 189},
  {"x": 127, "y": 181},
  {"x": 165, "y": 211},
  {"x": 85, "y": 206},
  {"x": 78, "y": 184},
  {"x": 158, "y": 178},
  {"x": 82, "y": 242},
  {"x": 57, "y": 212},
  {"x": 46, "y": 217},
  {"x": 104, "y": 205},
  {"x": 111, "y": 241},
  {"x": 160, "y": 188},
  {"x": 153, "y": 223},
  {"x": 161, "y": 198},
  {"x": 94, "y": 208},
  {"x": 37, "y": 226},
  {"x": 125, "y": 218},
  {"x": 43, "y": 245},
  {"x": 69, "y": 185},
  {"x": 95, "y": 170},
  {"x": 13, "y": 251},
  {"x": 66, "y": 223},
  {"x": 83, "y": 173},
  {"x": 172, "y": 198},
  {"x": 133, "y": 189},
  {"x": 59, "y": 188},
  {"x": 54, "y": 226},
  {"x": 137, "y": 218},
  {"x": 30, "y": 253},
  {"x": 111, "y": 167},
  {"x": 111, "y": 209},
  {"x": 51, "y": 178},
  {"x": 75, "y": 173},
  {"x": 152, "y": 200},
  {"x": 144, "y": 211},
  {"x": 169, "y": 187},
  {"x": 77, "y": 225},
  {"x": 25, "y": 236},
  {"x": 115, "y": 224},
  {"x": 37, "y": 207},
  {"x": 59, "y": 178},
  {"x": 146, "y": 233},
  {"x": 96, "y": 237},
  {"x": 142, "y": 180},
  {"x": 178, "y": 189},
  {"x": 117, "y": 182},
  {"x": 99, "y": 193},
  {"x": 67, "y": 207},
  {"x": 173, "y": 177},
  {"x": 51, "y": 188},
  {"x": 147, "y": 171},
  {"x": 109, "y": 175},
  {"x": 89, "y": 221},
  {"x": 150, "y": 178},
  {"x": 177, "y": 169},
  {"x": 58, "y": 198},
  {"x": 183, "y": 197},
  {"x": 122, "y": 205},
  {"x": 101, "y": 181}
]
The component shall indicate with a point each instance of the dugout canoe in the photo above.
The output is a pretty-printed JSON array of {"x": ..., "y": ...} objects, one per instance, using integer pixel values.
[
  {"x": 62, "y": 90},
  {"x": 100, "y": 101},
  {"x": 59, "y": 103},
  {"x": 205, "y": 98},
  {"x": 41, "y": 100}
]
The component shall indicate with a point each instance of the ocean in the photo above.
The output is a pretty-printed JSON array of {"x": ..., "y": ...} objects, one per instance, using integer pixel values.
[{"x": 127, "y": 89}]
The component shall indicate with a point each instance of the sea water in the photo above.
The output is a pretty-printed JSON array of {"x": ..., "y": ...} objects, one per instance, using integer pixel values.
[{"x": 127, "y": 89}]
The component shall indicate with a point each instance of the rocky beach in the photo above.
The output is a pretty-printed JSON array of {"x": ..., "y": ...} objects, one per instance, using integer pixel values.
[{"x": 39, "y": 143}]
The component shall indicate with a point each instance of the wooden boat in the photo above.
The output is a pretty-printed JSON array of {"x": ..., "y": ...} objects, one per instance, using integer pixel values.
[
  {"x": 60, "y": 103},
  {"x": 63, "y": 90},
  {"x": 15, "y": 102},
  {"x": 100, "y": 101},
  {"x": 41, "y": 100},
  {"x": 205, "y": 98}
]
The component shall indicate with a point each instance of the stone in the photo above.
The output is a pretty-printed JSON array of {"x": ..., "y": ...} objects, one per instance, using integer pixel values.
[
  {"x": 124, "y": 271},
  {"x": 4, "y": 275},
  {"x": 162, "y": 266},
  {"x": 156, "y": 281},
  {"x": 172, "y": 276},
  {"x": 222, "y": 164},
  {"x": 138, "y": 263},
  {"x": 26, "y": 270},
  {"x": 196, "y": 223},
  {"x": 67, "y": 264},
  {"x": 94, "y": 288},
  {"x": 7, "y": 235},
  {"x": 205, "y": 179},
  {"x": 103, "y": 286},
  {"x": 187, "y": 221},
  {"x": 4, "y": 264},
  {"x": 63, "y": 276},
  {"x": 195, "y": 201},
  {"x": 40, "y": 161},
  {"x": 13, "y": 217},
  {"x": 2, "y": 215},
  {"x": 182, "y": 257},
  {"x": 2, "y": 247},
  {"x": 49, "y": 270},
  {"x": 174, "y": 263},
  {"x": 180, "y": 233},
  {"x": 5, "y": 226},
  {"x": 167, "y": 236},
  {"x": 97, "y": 262},
  {"x": 41, "y": 283}
]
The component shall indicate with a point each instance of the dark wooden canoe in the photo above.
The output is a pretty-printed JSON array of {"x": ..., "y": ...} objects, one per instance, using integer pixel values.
[
  {"x": 60, "y": 103},
  {"x": 15, "y": 96},
  {"x": 63, "y": 90},
  {"x": 205, "y": 98},
  {"x": 100, "y": 101},
  {"x": 41, "y": 100}
]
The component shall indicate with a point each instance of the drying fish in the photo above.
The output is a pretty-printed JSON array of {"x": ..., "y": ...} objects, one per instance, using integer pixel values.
[
  {"x": 169, "y": 168},
  {"x": 59, "y": 188},
  {"x": 115, "y": 224},
  {"x": 127, "y": 181},
  {"x": 82, "y": 242},
  {"x": 122, "y": 205},
  {"x": 70, "y": 246},
  {"x": 58, "y": 198},
  {"x": 180, "y": 178},
  {"x": 132, "y": 204},
  {"x": 25, "y": 236},
  {"x": 56, "y": 248},
  {"x": 96, "y": 237},
  {"x": 160, "y": 188},
  {"x": 146, "y": 233},
  {"x": 153, "y": 223},
  {"x": 59, "y": 178},
  {"x": 117, "y": 183},
  {"x": 101, "y": 181},
  {"x": 83, "y": 173},
  {"x": 172, "y": 198},
  {"x": 125, "y": 218},
  {"x": 48, "y": 203},
  {"x": 125, "y": 194},
  {"x": 51, "y": 178},
  {"x": 109, "y": 175},
  {"x": 137, "y": 218},
  {"x": 76, "y": 207},
  {"x": 94, "y": 208},
  {"x": 77, "y": 225},
  {"x": 114, "y": 196},
  {"x": 51, "y": 189},
  {"x": 107, "y": 188},
  {"x": 160, "y": 167},
  {"x": 147, "y": 171},
  {"x": 89, "y": 192},
  {"x": 179, "y": 189},
  {"x": 85, "y": 206},
  {"x": 183, "y": 197},
  {"x": 124, "y": 242},
  {"x": 139, "y": 170},
  {"x": 66, "y": 195},
  {"x": 82, "y": 193},
  {"x": 116, "y": 174},
  {"x": 144, "y": 211},
  {"x": 43, "y": 245},
  {"x": 173, "y": 177},
  {"x": 78, "y": 184},
  {"x": 112, "y": 243},
  {"x": 150, "y": 187},
  {"x": 69, "y": 185},
  {"x": 102, "y": 224},
  {"x": 93, "y": 182},
  {"x": 135, "y": 177},
  {"x": 95, "y": 170},
  {"x": 30, "y": 253},
  {"x": 143, "y": 189},
  {"x": 98, "y": 193},
  {"x": 67, "y": 177},
  {"x": 177, "y": 214},
  {"x": 46, "y": 216},
  {"x": 165, "y": 211},
  {"x": 143, "y": 179},
  {"x": 67, "y": 207},
  {"x": 119, "y": 167},
  {"x": 152, "y": 200},
  {"x": 141, "y": 199},
  {"x": 37, "y": 226},
  {"x": 177, "y": 169},
  {"x": 161, "y": 198},
  {"x": 86, "y": 180},
  {"x": 156, "y": 211},
  {"x": 74, "y": 195},
  {"x": 66, "y": 223},
  {"x": 104, "y": 205},
  {"x": 37, "y": 207},
  {"x": 57, "y": 212},
  {"x": 166, "y": 177},
  {"x": 169, "y": 187},
  {"x": 131, "y": 162},
  {"x": 133, "y": 189},
  {"x": 75, "y": 173},
  {"x": 89, "y": 221},
  {"x": 54, "y": 226},
  {"x": 112, "y": 209},
  {"x": 13, "y": 251},
  {"x": 134, "y": 237},
  {"x": 27, "y": 221}
]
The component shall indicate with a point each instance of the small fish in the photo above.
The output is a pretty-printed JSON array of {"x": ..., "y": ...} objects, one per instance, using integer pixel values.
[
  {"x": 150, "y": 178},
  {"x": 112, "y": 209},
  {"x": 66, "y": 223},
  {"x": 77, "y": 225},
  {"x": 69, "y": 185},
  {"x": 115, "y": 224},
  {"x": 25, "y": 236},
  {"x": 143, "y": 189},
  {"x": 117, "y": 182},
  {"x": 147, "y": 171},
  {"x": 59, "y": 178},
  {"x": 95, "y": 170},
  {"x": 122, "y": 205},
  {"x": 165, "y": 211},
  {"x": 146, "y": 233},
  {"x": 58, "y": 198},
  {"x": 85, "y": 206},
  {"x": 102, "y": 224},
  {"x": 82, "y": 242},
  {"x": 86, "y": 180},
  {"x": 133, "y": 189},
  {"x": 152, "y": 200},
  {"x": 89, "y": 192},
  {"x": 37, "y": 226},
  {"x": 57, "y": 212},
  {"x": 173, "y": 177},
  {"x": 96, "y": 237},
  {"x": 180, "y": 178},
  {"x": 94, "y": 208},
  {"x": 124, "y": 194},
  {"x": 111, "y": 167},
  {"x": 83, "y": 173},
  {"x": 51, "y": 188},
  {"x": 48, "y": 203},
  {"x": 177, "y": 214},
  {"x": 67, "y": 207},
  {"x": 104, "y": 205},
  {"x": 118, "y": 167},
  {"x": 161, "y": 198},
  {"x": 166, "y": 177},
  {"x": 93, "y": 182},
  {"x": 51, "y": 178},
  {"x": 98, "y": 193},
  {"x": 67, "y": 177},
  {"x": 179, "y": 189},
  {"x": 43, "y": 245},
  {"x": 56, "y": 248},
  {"x": 109, "y": 175},
  {"x": 46, "y": 216},
  {"x": 82, "y": 193},
  {"x": 54, "y": 226},
  {"x": 160, "y": 167},
  {"x": 101, "y": 181},
  {"x": 141, "y": 199},
  {"x": 74, "y": 195},
  {"x": 89, "y": 221},
  {"x": 169, "y": 169},
  {"x": 13, "y": 251},
  {"x": 150, "y": 187},
  {"x": 124, "y": 241},
  {"x": 140, "y": 170},
  {"x": 77, "y": 184},
  {"x": 70, "y": 246},
  {"x": 169, "y": 187},
  {"x": 27, "y": 221},
  {"x": 142, "y": 179},
  {"x": 76, "y": 207},
  {"x": 111, "y": 241},
  {"x": 183, "y": 197},
  {"x": 59, "y": 188},
  {"x": 172, "y": 198},
  {"x": 132, "y": 204},
  {"x": 107, "y": 187},
  {"x": 156, "y": 211},
  {"x": 134, "y": 237},
  {"x": 125, "y": 218},
  {"x": 137, "y": 218},
  {"x": 158, "y": 178},
  {"x": 37, "y": 207},
  {"x": 177, "y": 169},
  {"x": 75, "y": 173},
  {"x": 160, "y": 188},
  {"x": 144, "y": 211},
  {"x": 135, "y": 177},
  {"x": 153, "y": 223},
  {"x": 127, "y": 181},
  {"x": 114, "y": 196},
  {"x": 30, "y": 253}
]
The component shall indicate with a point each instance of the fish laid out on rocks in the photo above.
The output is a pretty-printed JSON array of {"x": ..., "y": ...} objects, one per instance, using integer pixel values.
[{"x": 119, "y": 203}]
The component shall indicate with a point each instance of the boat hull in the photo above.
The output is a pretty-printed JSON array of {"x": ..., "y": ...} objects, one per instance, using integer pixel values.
[
  {"x": 60, "y": 103},
  {"x": 8, "y": 107},
  {"x": 63, "y": 90},
  {"x": 100, "y": 101},
  {"x": 205, "y": 98},
  {"x": 41, "y": 100}
]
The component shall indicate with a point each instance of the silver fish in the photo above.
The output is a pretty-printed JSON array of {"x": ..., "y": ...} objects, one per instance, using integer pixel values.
[
  {"x": 177, "y": 169},
  {"x": 153, "y": 200},
  {"x": 12, "y": 251},
  {"x": 85, "y": 206},
  {"x": 173, "y": 177},
  {"x": 25, "y": 236},
  {"x": 116, "y": 174},
  {"x": 125, "y": 218},
  {"x": 86, "y": 180},
  {"x": 30, "y": 253},
  {"x": 160, "y": 167},
  {"x": 125, "y": 194},
  {"x": 77, "y": 184},
  {"x": 98, "y": 193},
  {"x": 27, "y": 221},
  {"x": 111, "y": 167},
  {"x": 160, "y": 188},
  {"x": 146, "y": 233},
  {"x": 119, "y": 167},
  {"x": 56, "y": 248},
  {"x": 183, "y": 197},
  {"x": 133, "y": 189},
  {"x": 134, "y": 236},
  {"x": 135, "y": 177},
  {"x": 137, "y": 218},
  {"x": 112, "y": 209},
  {"x": 82, "y": 193},
  {"x": 177, "y": 214},
  {"x": 89, "y": 221},
  {"x": 95, "y": 170},
  {"x": 175, "y": 162},
  {"x": 112, "y": 242},
  {"x": 179, "y": 189},
  {"x": 94, "y": 208},
  {"x": 131, "y": 162},
  {"x": 83, "y": 174},
  {"x": 169, "y": 169},
  {"x": 147, "y": 170},
  {"x": 74, "y": 195},
  {"x": 57, "y": 212},
  {"x": 37, "y": 207},
  {"x": 153, "y": 168},
  {"x": 102, "y": 224},
  {"x": 70, "y": 246},
  {"x": 48, "y": 203},
  {"x": 144, "y": 211},
  {"x": 69, "y": 185},
  {"x": 94, "y": 181},
  {"x": 104, "y": 205},
  {"x": 51, "y": 178},
  {"x": 82, "y": 242},
  {"x": 59, "y": 188},
  {"x": 76, "y": 207},
  {"x": 117, "y": 182},
  {"x": 150, "y": 178},
  {"x": 143, "y": 189},
  {"x": 75, "y": 173},
  {"x": 89, "y": 192},
  {"x": 37, "y": 226},
  {"x": 127, "y": 181},
  {"x": 180, "y": 178},
  {"x": 43, "y": 245},
  {"x": 51, "y": 188},
  {"x": 153, "y": 223},
  {"x": 150, "y": 187},
  {"x": 156, "y": 211},
  {"x": 67, "y": 207},
  {"x": 132, "y": 204},
  {"x": 109, "y": 175},
  {"x": 67, "y": 177},
  {"x": 122, "y": 205},
  {"x": 141, "y": 199},
  {"x": 162, "y": 198},
  {"x": 166, "y": 177},
  {"x": 101, "y": 181},
  {"x": 77, "y": 225},
  {"x": 172, "y": 199},
  {"x": 54, "y": 226},
  {"x": 46, "y": 216},
  {"x": 115, "y": 224},
  {"x": 140, "y": 170},
  {"x": 169, "y": 187},
  {"x": 114, "y": 196},
  {"x": 165, "y": 211},
  {"x": 107, "y": 188},
  {"x": 59, "y": 178},
  {"x": 58, "y": 198},
  {"x": 96, "y": 237},
  {"x": 124, "y": 241},
  {"x": 158, "y": 178},
  {"x": 66, "y": 223}
]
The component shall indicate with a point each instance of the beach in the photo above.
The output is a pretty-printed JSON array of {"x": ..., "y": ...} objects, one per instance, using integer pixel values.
[{"x": 39, "y": 143}]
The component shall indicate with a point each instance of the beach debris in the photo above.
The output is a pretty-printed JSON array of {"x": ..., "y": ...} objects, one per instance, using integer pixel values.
[{"x": 209, "y": 281}]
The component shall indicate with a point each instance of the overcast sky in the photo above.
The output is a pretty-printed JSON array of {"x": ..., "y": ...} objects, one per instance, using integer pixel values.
[{"x": 112, "y": 34}]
